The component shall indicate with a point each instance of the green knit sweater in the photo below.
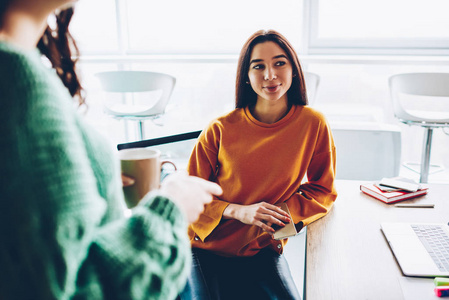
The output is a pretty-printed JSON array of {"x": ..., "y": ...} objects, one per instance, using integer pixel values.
[{"x": 63, "y": 233}]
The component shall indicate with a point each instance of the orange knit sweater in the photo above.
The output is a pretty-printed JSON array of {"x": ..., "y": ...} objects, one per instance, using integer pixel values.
[{"x": 253, "y": 162}]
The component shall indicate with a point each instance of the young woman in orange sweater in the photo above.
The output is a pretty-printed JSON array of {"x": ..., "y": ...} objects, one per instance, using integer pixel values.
[{"x": 271, "y": 149}]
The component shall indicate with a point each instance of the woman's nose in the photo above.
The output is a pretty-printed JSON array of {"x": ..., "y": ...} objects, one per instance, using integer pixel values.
[{"x": 269, "y": 74}]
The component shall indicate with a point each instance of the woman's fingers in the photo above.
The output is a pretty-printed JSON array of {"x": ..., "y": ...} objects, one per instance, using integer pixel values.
[
  {"x": 127, "y": 181},
  {"x": 269, "y": 219},
  {"x": 208, "y": 186},
  {"x": 272, "y": 214},
  {"x": 279, "y": 211},
  {"x": 189, "y": 193},
  {"x": 265, "y": 227},
  {"x": 262, "y": 214}
]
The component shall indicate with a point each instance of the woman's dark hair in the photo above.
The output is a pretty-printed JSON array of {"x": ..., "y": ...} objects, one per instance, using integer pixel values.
[
  {"x": 60, "y": 48},
  {"x": 4, "y": 4},
  {"x": 244, "y": 94}
]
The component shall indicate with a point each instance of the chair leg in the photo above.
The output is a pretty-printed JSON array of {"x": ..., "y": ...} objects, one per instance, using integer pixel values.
[
  {"x": 126, "y": 130},
  {"x": 425, "y": 159},
  {"x": 140, "y": 130}
]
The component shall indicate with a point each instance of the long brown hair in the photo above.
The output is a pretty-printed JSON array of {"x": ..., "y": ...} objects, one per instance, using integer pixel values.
[
  {"x": 244, "y": 94},
  {"x": 60, "y": 48},
  {"x": 4, "y": 5}
]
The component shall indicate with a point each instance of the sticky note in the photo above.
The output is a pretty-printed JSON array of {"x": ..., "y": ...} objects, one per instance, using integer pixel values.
[{"x": 441, "y": 281}]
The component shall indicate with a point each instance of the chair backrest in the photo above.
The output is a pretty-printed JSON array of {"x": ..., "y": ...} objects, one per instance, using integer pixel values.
[
  {"x": 312, "y": 81},
  {"x": 139, "y": 81},
  {"x": 418, "y": 84},
  {"x": 367, "y": 154}
]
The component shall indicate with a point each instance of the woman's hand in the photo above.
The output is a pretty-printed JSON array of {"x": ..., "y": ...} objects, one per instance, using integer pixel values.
[
  {"x": 127, "y": 181},
  {"x": 190, "y": 193},
  {"x": 260, "y": 214}
]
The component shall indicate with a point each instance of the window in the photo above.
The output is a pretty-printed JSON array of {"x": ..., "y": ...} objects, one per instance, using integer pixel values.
[
  {"x": 94, "y": 27},
  {"x": 380, "y": 27},
  {"x": 181, "y": 27},
  {"x": 205, "y": 26}
]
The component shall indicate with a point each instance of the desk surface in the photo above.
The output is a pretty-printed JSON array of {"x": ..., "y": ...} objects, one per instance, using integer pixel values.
[{"x": 349, "y": 258}]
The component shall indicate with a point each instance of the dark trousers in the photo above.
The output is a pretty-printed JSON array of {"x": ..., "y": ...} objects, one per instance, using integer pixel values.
[{"x": 263, "y": 276}]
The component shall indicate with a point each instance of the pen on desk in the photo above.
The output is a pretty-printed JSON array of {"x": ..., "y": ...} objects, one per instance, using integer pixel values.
[{"x": 412, "y": 205}]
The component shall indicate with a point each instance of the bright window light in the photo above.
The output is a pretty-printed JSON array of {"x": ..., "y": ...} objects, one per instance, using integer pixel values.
[
  {"x": 383, "y": 19},
  {"x": 388, "y": 24},
  {"x": 207, "y": 26},
  {"x": 94, "y": 27}
]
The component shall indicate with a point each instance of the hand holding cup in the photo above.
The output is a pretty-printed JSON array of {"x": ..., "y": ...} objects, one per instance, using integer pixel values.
[
  {"x": 127, "y": 181},
  {"x": 143, "y": 166},
  {"x": 190, "y": 193}
]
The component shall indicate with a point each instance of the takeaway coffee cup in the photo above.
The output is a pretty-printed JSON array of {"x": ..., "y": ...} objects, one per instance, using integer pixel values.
[{"x": 144, "y": 165}]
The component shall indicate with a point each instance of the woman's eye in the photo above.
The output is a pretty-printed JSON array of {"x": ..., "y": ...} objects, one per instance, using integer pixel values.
[
  {"x": 280, "y": 63},
  {"x": 256, "y": 67}
]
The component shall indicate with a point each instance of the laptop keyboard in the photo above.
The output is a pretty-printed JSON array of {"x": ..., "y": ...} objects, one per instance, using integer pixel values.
[{"x": 436, "y": 242}]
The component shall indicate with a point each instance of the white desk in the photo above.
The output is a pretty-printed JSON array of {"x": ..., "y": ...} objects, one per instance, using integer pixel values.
[{"x": 349, "y": 258}]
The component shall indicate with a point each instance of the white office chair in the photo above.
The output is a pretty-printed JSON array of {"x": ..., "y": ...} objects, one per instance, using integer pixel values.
[
  {"x": 145, "y": 95},
  {"x": 312, "y": 82},
  {"x": 367, "y": 151},
  {"x": 411, "y": 94}
]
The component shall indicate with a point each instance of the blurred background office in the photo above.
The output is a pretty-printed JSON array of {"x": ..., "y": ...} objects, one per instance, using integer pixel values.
[{"x": 354, "y": 46}]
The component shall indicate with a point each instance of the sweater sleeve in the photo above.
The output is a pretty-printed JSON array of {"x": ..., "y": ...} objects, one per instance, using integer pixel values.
[
  {"x": 57, "y": 239},
  {"x": 315, "y": 198},
  {"x": 143, "y": 257},
  {"x": 204, "y": 163}
]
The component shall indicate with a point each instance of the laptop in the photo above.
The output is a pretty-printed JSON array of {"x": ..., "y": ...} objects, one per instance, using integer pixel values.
[{"x": 421, "y": 249}]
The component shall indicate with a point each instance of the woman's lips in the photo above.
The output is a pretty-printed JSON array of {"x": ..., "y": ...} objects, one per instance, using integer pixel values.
[{"x": 272, "y": 88}]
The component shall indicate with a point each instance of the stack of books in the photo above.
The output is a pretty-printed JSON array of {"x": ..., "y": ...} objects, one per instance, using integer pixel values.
[{"x": 390, "y": 190}]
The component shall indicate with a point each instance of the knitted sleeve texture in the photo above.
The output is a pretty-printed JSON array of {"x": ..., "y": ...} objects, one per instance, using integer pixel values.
[{"x": 63, "y": 231}]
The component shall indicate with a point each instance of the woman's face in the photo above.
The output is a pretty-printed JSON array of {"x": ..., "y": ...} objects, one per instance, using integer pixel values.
[{"x": 270, "y": 72}]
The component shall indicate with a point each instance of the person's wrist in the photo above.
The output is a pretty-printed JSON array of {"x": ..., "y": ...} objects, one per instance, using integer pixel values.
[
  {"x": 230, "y": 211},
  {"x": 162, "y": 205},
  {"x": 169, "y": 193},
  {"x": 172, "y": 199}
]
